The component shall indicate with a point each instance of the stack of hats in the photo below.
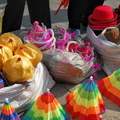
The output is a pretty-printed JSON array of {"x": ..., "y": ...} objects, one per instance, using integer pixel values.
[
  {"x": 41, "y": 37},
  {"x": 102, "y": 17},
  {"x": 117, "y": 10}
]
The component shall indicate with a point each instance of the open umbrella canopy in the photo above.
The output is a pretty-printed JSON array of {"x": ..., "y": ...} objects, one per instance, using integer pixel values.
[
  {"x": 85, "y": 103},
  {"x": 8, "y": 112},
  {"x": 46, "y": 107},
  {"x": 110, "y": 87}
]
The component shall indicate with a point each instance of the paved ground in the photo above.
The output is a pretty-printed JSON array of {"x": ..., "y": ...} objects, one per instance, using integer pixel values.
[{"x": 61, "y": 90}]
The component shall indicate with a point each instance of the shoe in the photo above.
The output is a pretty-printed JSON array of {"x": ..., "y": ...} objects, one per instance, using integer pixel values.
[{"x": 77, "y": 36}]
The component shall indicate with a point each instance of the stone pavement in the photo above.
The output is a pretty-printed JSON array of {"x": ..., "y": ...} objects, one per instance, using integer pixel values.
[{"x": 61, "y": 90}]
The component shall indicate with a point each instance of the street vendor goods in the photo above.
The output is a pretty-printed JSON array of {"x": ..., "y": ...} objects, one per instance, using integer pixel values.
[
  {"x": 83, "y": 49},
  {"x": 102, "y": 17},
  {"x": 31, "y": 52},
  {"x": 109, "y": 49},
  {"x": 110, "y": 87},
  {"x": 18, "y": 69},
  {"x": 8, "y": 112},
  {"x": 11, "y": 40},
  {"x": 41, "y": 37},
  {"x": 66, "y": 67},
  {"x": 21, "y": 95},
  {"x": 112, "y": 34},
  {"x": 86, "y": 103},
  {"x": 5, "y": 54},
  {"x": 46, "y": 107}
]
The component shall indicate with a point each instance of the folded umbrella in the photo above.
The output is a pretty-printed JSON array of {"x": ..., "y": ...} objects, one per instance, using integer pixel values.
[
  {"x": 85, "y": 103},
  {"x": 8, "y": 112},
  {"x": 110, "y": 87},
  {"x": 46, "y": 107}
]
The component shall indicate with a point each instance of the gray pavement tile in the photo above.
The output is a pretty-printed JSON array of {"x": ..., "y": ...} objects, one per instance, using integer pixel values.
[{"x": 60, "y": 91}]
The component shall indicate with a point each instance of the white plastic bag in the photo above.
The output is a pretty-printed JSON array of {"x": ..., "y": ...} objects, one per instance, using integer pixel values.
[
  {"x": 22, "y": 95},
  {"x": 67, "y": 67},
  {"x": 110, "y": 52}
]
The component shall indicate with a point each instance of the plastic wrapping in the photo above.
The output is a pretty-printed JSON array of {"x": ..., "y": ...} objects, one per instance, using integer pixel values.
[
  {"x": 22, "y": 95},
  {"x": 67, "y": 67},
  {"x": 109, "y": 51}
]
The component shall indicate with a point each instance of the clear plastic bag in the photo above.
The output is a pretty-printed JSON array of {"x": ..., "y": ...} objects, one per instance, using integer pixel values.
[{"x": 67, "y": 67}]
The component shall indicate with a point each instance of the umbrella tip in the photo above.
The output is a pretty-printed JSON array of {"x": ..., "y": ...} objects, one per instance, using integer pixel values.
[
  {"x": 91, "y": 77},
  {"x": 6, "y": 100},
  {"x": 48, "y": 90}
]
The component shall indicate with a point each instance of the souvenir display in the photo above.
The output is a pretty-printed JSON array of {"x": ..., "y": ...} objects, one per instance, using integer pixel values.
[
  {"x": 62, "y": 37},
  {"x": 5, "y": 54},
  {"x": 21, "y": 95},
  {"x": 107, "y": 45},
  {"x": 110, "y": 87},
  {"x": 8, "y": 112},
  {"x": 83, "y": 49},
  {"x": 31, "y": 52},
  {"x": 102, "y": 17},
  {"x": 46, "y": 107},
  {"x": 11, "y": 40},
  {"x": 112, "y": 34},
  {"x": 85, "y": 103},
  {"x": 18, "y": 69},
  {"x": 66, "y": 67},
  {"x": 41, "y": 37}
]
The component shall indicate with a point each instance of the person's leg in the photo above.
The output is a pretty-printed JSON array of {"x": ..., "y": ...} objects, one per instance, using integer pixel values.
[
  {"x": 39, "y": 11},
  {"x": 13, "y": 14},
  {"x": 90, "y": 7},
  {"x": 76, "y": 10}
]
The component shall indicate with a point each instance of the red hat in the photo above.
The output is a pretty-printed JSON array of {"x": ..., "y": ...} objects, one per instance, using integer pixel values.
[{"x": 103, "y": 16}]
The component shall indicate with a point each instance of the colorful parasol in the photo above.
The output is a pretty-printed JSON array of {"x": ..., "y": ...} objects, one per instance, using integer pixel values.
[
  {"x": 8, "y": 112},
  {"x": 46, "y": 107},
  {"x": 85, "y": 103},
  {"x": 110, "y": 87}
]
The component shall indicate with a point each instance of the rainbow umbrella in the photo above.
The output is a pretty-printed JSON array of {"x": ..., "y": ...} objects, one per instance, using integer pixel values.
[
  {"x": 46, "y": 107},
  {"x": 85, "y": 103},
  {"x": 8, "y": 112},
  {"x": 110, "y": 87}
]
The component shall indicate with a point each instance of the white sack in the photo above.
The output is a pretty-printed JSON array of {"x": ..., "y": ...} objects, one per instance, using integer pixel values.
[
  {"x": 22, "y": 95},
  {"x": 109, "y": 51}
]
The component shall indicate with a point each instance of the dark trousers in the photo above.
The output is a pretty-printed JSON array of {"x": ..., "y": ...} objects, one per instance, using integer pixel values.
[
  {"x": 79, "y": 10},
  {"x": 38, "y": 9}
]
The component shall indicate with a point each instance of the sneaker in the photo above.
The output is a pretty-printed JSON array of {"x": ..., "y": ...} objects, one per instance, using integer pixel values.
[{"x": 77, "y": 36}]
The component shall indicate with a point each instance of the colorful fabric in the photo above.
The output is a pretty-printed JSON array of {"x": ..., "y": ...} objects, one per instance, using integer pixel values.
[
  {"x": 46, "y": 107},
  {"x": 85, "y": 103},
  {"x": 110, "y": 87},
  {"x": 8, "y": 112}
]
